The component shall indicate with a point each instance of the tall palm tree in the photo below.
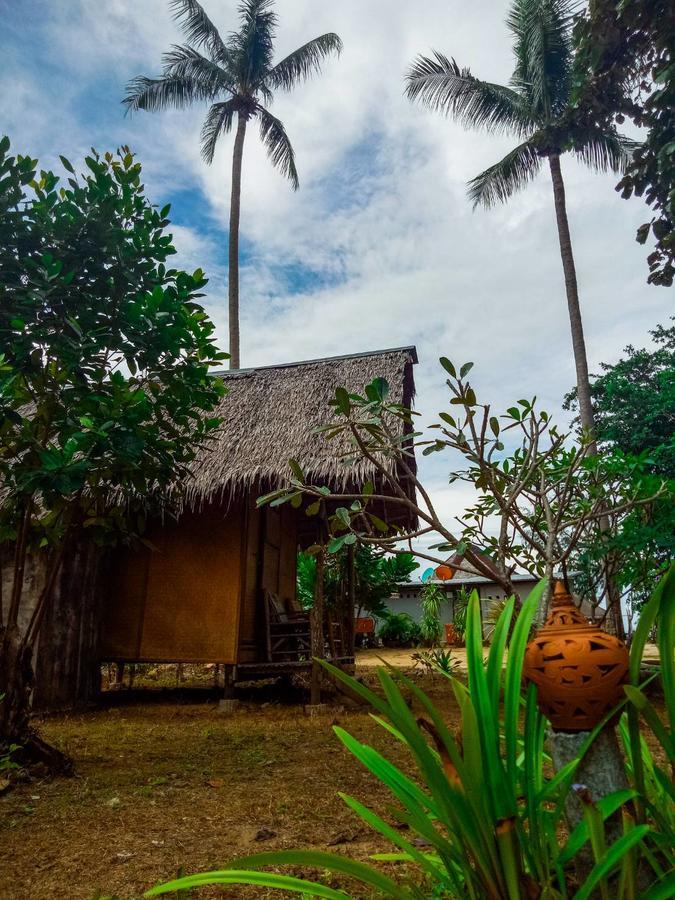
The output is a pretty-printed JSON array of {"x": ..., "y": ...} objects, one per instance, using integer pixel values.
[
  {"x": 536, "y": 109},
  {"x": 237, "y": 76}
]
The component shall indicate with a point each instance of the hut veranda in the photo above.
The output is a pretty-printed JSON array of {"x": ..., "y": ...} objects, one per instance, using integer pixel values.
[{"x": 217, "y": 584}]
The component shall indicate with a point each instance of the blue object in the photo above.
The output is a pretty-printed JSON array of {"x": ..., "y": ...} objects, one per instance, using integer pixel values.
[{"x": 427, "y": 575}]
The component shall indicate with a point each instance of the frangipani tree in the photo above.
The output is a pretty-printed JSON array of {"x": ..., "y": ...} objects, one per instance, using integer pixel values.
[
  {"x": 540, "y": 496},
  {"x": 534, "y": 108},
  {"x": 237, "y": 76}
]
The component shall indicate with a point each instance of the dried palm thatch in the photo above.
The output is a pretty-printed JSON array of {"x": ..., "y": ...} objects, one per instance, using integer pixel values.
[{"x": 271, "y": 415}]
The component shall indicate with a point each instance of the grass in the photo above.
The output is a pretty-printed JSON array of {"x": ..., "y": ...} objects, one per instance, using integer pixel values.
[{"x": 162, "y": 786}]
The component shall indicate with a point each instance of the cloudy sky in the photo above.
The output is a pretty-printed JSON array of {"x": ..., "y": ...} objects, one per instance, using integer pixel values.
[{"x": 379, "y": 247}]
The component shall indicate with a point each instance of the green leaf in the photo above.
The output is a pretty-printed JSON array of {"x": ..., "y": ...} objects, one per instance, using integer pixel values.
[
  {"x": 332, "y": 862},
  {"x": 378, "y": 390},
  {"x": 611, "y": 859},
  {"x": 342, "y": 401},
  {"x": 296, "y": 469},
  {"x": 606, "y": 806},
  {"x": 259, "y": 879},
  {"x": 380, "y": 524},
  {"x": 448, "y": 366},
  {"x": 67, "y": 165},
  {"x": 466, "y": 368},
  {"x": 343, "y": 515},
  {"x": 336, "y": 544}
]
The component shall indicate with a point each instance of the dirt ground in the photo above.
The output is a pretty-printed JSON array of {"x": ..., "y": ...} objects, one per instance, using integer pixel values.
[{"x": 167, "y": 784}]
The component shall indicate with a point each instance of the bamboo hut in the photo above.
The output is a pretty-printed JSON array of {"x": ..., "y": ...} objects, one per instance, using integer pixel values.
[{"x": 218, "y": 584}]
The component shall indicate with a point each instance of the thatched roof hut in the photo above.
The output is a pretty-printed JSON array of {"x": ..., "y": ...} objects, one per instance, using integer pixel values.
[
  {"x": 271, "y": 414},
  {"x": 211, "y": 586}
]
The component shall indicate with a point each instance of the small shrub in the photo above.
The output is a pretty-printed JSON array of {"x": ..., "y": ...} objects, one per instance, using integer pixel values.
[{"x": 398, "y": 630}]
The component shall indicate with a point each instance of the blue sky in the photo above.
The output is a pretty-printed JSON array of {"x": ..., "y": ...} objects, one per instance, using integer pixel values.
[{"x": 379, "y": 247}]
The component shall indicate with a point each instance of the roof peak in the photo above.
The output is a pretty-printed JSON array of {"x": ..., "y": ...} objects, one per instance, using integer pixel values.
[{"x": 411, "y": 349}]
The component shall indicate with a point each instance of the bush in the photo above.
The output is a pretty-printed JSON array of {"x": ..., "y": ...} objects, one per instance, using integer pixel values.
[{"x": 398, "y": 630}]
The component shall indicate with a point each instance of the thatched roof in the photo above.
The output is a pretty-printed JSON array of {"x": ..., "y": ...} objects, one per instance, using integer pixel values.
[{"x": 271, "y": 415}]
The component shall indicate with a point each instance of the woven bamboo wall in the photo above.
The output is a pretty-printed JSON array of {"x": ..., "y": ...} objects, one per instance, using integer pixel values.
[{"x": 179, "y": 602}]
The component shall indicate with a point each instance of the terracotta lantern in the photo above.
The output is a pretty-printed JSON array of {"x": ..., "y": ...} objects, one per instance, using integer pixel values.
[{"x": 578, "y": 668}]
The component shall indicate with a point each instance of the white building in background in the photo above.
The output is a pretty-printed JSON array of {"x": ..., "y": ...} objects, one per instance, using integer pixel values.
[{"x": 408, "y": 598}]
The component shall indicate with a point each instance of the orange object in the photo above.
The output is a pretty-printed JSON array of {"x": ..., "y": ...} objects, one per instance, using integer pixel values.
[
  {"x": 444, "y": 573},
  {"x": 364, "y": 625},
  {"x": 578, "y": 668}
]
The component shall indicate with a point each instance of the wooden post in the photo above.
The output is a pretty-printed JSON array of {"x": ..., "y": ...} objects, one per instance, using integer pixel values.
[
  {"x": 316, "y": 630},
  {"x": 351, "y": 598},
  {"x": 229, "y": 702}
]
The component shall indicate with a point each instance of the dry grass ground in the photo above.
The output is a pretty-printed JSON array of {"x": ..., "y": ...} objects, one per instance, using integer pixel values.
[{"x": 164, "y": 785}]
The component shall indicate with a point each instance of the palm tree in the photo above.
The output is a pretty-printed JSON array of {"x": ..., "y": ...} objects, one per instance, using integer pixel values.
[
  {"x": 237, "y": 77},
  {"x": 536, "y": 109}
]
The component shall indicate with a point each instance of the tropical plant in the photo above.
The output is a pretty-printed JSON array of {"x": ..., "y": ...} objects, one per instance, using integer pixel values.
[
  {"x": 376, "y": 577},
  {"x": 460, "y": 604},
  {"x": 398, "y": 630},
  {"x": 431, "y": 627},
  {"x": 436, "y": 660},
  {"x": 482, "y": 818},
  {"x": 625, "y": 68},
  {"x": 238, "y": 77},
  {"x": 534, "y": 109},
  {"x": 105, "y": 390}
]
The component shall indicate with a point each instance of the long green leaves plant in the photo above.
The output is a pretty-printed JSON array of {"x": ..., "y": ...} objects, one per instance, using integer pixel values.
[{"x": 483, "y": 811}]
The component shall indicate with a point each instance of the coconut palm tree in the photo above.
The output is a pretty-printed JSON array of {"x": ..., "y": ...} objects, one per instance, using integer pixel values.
[
  {"x": 238, "y": 77},
  {"x": 536, "y": 109}
]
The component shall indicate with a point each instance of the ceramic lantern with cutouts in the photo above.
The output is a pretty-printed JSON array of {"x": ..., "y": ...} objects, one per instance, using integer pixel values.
[{"x": 578, "y": 668}]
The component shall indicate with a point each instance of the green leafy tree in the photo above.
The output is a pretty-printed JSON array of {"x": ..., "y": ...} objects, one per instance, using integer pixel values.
[
  {"x": 625, "y": 68},
  {"x": 634, "y": 403},
  {"x": 534, "y": 109},
  {"x": 238, "y": 77},
  {"x": 105, "y": 391}
]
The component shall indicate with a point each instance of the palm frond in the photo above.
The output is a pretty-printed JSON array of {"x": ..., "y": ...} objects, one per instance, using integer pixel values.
[
  {"x": 499, "y": 182},
  {"x": 218, "y": 121},
  {"x": 279, "y": 149},
  {"x": 183, "y": 61},
  {"x": 605, "y": 151},
  {"x": 198, "y": 28},
  {"x": 153, "y": 94},
  {"x": 543, "y": 49},
  {"x": 304, "y": 61},
  {"x": 439, "y": 83},
  {"x": 253, "y": 45}
]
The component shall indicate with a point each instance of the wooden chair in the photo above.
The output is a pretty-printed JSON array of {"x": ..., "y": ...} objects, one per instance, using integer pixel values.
[{"x": 288, "y": 632}]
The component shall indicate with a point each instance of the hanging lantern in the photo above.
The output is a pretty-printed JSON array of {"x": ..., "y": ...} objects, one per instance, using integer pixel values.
[
  {"x": 444, "y": 573},
  {"x": 578, "y": 668}
]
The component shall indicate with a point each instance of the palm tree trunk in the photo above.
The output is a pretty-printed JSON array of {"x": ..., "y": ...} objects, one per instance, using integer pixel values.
[
  {"x": 581, "y": 363},
  {"x": 235, "y": 204},
  {"x": 578, "y": 343}
]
